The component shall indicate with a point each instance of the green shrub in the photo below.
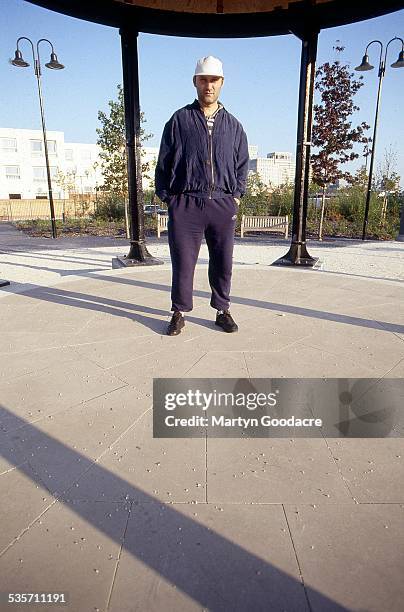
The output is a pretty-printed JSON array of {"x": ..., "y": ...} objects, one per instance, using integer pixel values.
[{"x": 111, "y": 207}]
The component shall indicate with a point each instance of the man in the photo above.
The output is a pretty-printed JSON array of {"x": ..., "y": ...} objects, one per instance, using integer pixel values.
[{"x": 201, "y": 174}]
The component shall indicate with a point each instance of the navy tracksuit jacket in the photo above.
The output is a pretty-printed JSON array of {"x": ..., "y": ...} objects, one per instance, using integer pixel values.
[{"x": 198, "y": 175}]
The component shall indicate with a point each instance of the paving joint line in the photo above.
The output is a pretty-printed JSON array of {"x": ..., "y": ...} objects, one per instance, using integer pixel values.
[
  {"x": 106, "y": 450},
  {"x": 297, "y": 560},
  {"x": 119, "y": 557},
  {"x": 391, "y": 332},
  {"x": 26, "y": 529},
  {"x": 64, "y": 409},
  {"x": 194, "y": 364},
  {"x": 343, "y": 478}
]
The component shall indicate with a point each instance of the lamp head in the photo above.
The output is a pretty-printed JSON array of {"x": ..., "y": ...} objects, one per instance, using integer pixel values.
[
  {"x": 54, "y": 64},
  {"x": 364, "y": 66},
  {"x": 18, "y": 60},
  {"x": 400, "y": 62}
]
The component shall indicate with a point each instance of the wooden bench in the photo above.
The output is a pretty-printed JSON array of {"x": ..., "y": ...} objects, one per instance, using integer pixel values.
[
  {"x": 162, "y": 221},
  {"x": 264, "y": 223}
]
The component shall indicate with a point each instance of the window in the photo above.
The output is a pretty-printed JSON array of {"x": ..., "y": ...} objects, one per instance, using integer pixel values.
[
  {"x": 8, "y": 144},
  {"x": 36, "y": 147},
  {"x": 12, "y": 172},
  {"x": 51, "y": 147},
  {"x": 69, "y": 154},
  {"x": 40, "y": 172},
  {"x": 14, "y": 196}
]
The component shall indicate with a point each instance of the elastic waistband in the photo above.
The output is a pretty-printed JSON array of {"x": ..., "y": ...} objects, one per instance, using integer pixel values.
[{"x": 206, "y": 194}]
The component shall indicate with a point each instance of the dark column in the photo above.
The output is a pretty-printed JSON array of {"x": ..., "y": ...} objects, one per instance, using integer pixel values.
[
  {"x": 298, "y": 254},
  {"x": 138, "y": 253},
  {"x": 400, "y": 236}
]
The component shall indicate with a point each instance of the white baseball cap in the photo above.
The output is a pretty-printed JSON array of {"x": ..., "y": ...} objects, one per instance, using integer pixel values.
[{"x": 210, "y": 66}]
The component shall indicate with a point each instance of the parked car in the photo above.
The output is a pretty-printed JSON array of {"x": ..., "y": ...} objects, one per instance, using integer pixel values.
[{"x": 150, "y": 209}]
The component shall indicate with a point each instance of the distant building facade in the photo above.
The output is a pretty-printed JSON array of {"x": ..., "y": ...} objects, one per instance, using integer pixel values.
[
  {"x": 276, "y": 169},
  {"x": 149, "y": 155},
  {"x": 253, "y": 151},
  {"x": 23, "y": 168},
  {"x": 75, "y": 167}
]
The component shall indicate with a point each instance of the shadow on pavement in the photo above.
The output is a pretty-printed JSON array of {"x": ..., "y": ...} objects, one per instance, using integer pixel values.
[
  {"x": 214, "y": 571},
  {"x": 118, "y": 308}
]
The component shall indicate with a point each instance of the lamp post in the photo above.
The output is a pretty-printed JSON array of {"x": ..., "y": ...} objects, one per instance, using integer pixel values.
[
  {"x": 363, "y": 67},
  {"x": 53, "y": 64}
]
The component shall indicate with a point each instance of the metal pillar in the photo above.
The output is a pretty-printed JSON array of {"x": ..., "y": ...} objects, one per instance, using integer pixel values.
[
  {"x": 138, "y": 253},
  {"x": 400, "y": 237},
  {"x": 298, "y": 254},
  {"x": 45, "y": 143}
]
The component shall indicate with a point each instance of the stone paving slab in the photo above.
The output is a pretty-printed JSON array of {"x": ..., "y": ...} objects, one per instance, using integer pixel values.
[
  {"x": 52, "y": 389},
  {"x": 208, "y": 557},
  {"x": 17, "y": 364},
  {"x": 351, "y": 552},
  {"x": 141, "y": 467},
  {"x": 373, "y": 470},
  {"x": 274, "y": 471},
  {"x": 76, "y": 350},
  {"x": 27, "y": 499},
  {"x": 63, "y": 446},
  {"x": 72, "y": 549}
]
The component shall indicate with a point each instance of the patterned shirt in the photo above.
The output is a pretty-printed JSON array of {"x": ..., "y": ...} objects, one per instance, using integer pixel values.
[{"x": 210, "y": 120}]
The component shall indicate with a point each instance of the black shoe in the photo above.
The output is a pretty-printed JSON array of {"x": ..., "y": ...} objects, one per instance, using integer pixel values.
[
  {"x": 176, "y": 324},
  {"x": 225, "y": 321}
]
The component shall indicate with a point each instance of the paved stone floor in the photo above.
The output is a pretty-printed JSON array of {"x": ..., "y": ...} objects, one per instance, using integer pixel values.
[{"x": 94, "y": 506}]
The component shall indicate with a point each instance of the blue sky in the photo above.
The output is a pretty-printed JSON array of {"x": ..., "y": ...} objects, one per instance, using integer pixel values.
[{"x": 261, "y": 77}]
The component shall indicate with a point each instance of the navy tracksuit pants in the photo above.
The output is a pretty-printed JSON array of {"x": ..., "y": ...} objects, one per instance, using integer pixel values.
[{"x": 190, "y": 218}]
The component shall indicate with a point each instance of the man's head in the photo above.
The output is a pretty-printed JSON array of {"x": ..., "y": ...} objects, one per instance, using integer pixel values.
[{"x": 208, "y": 79}]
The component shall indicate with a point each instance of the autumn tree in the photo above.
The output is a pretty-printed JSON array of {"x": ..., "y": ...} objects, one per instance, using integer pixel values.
[{"x": 333, "y": 135}]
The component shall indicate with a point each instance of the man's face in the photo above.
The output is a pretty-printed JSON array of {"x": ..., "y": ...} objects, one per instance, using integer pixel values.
[{"x": 208, "y": 88}]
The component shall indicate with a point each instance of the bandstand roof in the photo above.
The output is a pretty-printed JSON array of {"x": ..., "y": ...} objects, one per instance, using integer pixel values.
[{"x": 223, "y": 18}]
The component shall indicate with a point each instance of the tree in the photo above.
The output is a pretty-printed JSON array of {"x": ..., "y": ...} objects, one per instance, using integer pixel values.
[
  {"x": 387, "y": 180},
  {"x": 282, "y": 199},
  {"x": 112, "y": 140},
  {"x": 333, "y": 134},
  {"x": 360, "y": 178},
  {"x": 257, "y": 197},
  {"x": 66, "y": 181}
]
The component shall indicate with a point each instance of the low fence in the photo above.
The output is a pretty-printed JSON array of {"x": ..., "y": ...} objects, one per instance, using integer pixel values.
[{"x": 25, "y": 210}]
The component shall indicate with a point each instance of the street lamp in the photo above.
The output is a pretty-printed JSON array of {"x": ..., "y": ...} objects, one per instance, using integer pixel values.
[
  {"x": 364, "y": 67},
  {"x": 53, "y": 64}
]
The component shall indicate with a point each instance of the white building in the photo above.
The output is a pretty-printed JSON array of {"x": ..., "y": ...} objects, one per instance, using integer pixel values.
[
  {"x": 23, "y": 168},
  {"x": 149, "y": 155},
  {"x": 253, "y": 151},
  {"x": 276, "y": 169},
  {"x": 75, "y": 166}
]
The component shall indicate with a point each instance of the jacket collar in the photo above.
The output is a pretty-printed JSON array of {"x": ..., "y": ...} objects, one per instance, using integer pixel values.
[{"x": 195, "y": 104}]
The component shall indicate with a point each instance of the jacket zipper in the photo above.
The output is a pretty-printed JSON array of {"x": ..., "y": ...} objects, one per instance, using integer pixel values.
[
  {"x": 211, "y": 163},
  {"x": 210, "y": 136},
  {"x": 211, "y": 160}
]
